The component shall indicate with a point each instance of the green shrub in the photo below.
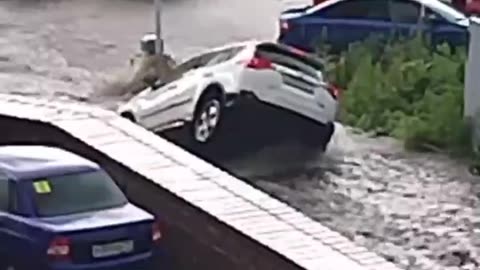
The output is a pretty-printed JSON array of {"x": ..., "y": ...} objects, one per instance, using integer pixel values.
[{"x": 406, "y": 90}]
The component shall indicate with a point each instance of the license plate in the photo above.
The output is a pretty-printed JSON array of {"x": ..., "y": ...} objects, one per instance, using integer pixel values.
[{"x": 112, "y": 249}]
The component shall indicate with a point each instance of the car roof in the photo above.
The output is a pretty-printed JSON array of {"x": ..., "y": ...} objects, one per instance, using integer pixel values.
[
  {"x": 252, "y": 43},
  {"x": 246, "y": 43},
  {"x": 25, "y": 162},
  {"x": 436, "y": 5}
]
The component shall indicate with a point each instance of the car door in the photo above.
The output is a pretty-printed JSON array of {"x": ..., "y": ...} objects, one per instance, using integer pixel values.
[
  {"x": 4, "y": 230},
  {"x": 345, "y": 22},
  {"x": 162, "y": 106},
  {"x": 169, "y": 103},
  {"x": 222, "y": 69},
  {"x": 406, "y": 16},
  {"x": 443, "y": 31},
  {"x": 13, "y": 231}
]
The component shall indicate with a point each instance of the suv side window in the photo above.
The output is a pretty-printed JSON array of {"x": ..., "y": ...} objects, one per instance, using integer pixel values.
[
  {"x": 181, "y": 69},
  {"x": 190, "y": 64},
  {"x": 359, "y": 9},
  {"x": 4, "y": 194},
  {"x": 223, "y": 56}
]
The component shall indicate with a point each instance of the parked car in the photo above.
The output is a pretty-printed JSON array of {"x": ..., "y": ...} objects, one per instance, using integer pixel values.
[
  {"x": 342, "y": 22},
  {"x": 471, "y": 7},
  {"x": 208, "y": 83},
  {"x": 61, "y": 211}
]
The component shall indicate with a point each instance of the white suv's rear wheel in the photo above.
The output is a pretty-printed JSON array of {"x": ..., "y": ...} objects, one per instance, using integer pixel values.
[
  {"x": 207, "y": 118},
  {"x": 318, "y": 136}
]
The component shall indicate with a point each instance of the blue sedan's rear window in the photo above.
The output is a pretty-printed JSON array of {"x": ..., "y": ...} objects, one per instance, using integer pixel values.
[{"x": 76, "y": 193}]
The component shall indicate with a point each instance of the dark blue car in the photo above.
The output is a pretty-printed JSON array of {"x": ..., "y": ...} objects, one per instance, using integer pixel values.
[
  {"x": 60, "y": 211},
  {"x": 342, "y": 22}
]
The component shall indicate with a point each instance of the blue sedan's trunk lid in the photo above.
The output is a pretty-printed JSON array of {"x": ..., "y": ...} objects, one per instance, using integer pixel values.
[
  {"x": 104, "y": 235},
  {"x": 96, "y": 220}
]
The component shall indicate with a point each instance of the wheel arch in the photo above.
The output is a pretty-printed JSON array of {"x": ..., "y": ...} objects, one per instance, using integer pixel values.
[{"x": 213, "y": 88}]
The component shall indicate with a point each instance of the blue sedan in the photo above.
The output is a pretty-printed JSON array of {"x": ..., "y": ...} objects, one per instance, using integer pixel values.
[
  {"x": 60, "y": 211},
  {"x": 342, "y": 22}
]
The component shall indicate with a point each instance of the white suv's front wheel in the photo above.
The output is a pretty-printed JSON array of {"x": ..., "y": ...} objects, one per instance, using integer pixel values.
[{"x": 207, "y": 118}]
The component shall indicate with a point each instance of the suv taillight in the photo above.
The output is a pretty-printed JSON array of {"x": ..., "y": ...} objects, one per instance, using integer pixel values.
[
  {"x": 259, "y": 63},
  {"x": 59, "y": 249},
  {"x": 333, "y": 90},
  {"x": 157, "y": 233}
]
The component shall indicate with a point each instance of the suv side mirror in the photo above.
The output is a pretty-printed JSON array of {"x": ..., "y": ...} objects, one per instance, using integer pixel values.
[
  {"x": 154, "y": 84},
  {"x": 157, "y": 84}
]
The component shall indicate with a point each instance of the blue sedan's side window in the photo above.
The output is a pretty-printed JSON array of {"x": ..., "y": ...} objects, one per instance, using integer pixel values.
[
  {"x": 405, "y": 11},
  {"x": 359, "y": 9},
  {"x": 4, "y": 197}
]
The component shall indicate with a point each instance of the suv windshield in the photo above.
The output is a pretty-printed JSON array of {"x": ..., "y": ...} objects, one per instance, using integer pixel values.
[{"x": 76, "y": 193}]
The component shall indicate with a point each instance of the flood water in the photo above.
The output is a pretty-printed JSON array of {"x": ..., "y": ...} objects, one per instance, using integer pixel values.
[{"x": 415, "y": 209}]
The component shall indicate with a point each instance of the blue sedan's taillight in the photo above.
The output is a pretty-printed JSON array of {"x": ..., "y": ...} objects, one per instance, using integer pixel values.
[
  {"x": 284, "y": 27},
  {"x": 59, "y": 249},
  {"x": 157, "y": 232}
]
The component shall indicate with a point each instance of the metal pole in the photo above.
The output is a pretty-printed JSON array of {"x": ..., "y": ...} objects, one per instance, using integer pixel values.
[{"x": 158, "y": 27}]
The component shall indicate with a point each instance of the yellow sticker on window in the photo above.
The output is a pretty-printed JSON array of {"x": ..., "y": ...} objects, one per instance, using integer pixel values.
[{"x": 42, "y": 187}]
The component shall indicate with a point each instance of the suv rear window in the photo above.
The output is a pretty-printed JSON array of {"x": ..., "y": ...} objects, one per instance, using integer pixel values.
[
  {"x": 286, "y": 56},
  {"x": 76, "y": 193}
]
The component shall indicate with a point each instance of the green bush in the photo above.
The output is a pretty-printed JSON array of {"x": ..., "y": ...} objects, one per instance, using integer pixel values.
[{"x": 406, "y": 90}]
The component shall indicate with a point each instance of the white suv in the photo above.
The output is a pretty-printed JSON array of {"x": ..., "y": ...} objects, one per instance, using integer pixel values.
[{"x": 206, "y": 84}]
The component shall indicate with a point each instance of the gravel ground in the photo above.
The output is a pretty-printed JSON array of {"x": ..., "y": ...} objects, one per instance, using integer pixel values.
[
  {"x": 415, "y": 209},
  {"x": 420, "y": 211}
]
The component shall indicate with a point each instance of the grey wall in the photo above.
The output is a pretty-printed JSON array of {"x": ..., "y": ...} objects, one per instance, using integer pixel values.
[
  {"x": 472, "y": 81},
  {"x": 195, "y": 239}
]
